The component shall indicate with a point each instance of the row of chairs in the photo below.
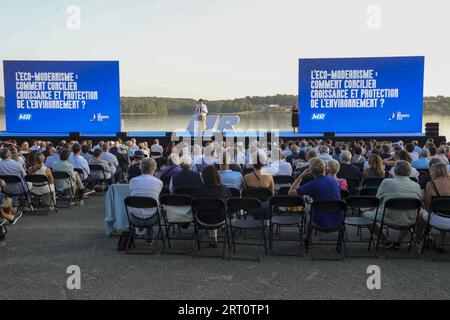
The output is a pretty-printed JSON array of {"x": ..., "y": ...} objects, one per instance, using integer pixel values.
[{"x": 244, "y": 214}]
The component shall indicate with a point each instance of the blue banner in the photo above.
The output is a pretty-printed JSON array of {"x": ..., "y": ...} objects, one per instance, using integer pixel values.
[
  {"x": 62, "y": 96},
  {"x": 361, "y": 95}
]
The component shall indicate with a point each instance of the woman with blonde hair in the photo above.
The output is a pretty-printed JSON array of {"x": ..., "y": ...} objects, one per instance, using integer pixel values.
[{"x": 376, "y": 167}]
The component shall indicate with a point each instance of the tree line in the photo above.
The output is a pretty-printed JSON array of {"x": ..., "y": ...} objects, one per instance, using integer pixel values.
[{"x": 166, "y": 106}]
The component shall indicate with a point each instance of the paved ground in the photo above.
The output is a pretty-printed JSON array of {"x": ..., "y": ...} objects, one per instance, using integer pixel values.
[{"x": 33, "y": 266}]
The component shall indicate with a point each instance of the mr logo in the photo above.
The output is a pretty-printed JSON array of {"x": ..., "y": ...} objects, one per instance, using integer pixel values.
[
  {"x": 318, "y": 116},
  {"x": 24, "y": 117}
]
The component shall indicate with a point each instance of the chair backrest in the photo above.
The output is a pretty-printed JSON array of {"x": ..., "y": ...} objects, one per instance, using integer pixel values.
[
  {"x": 155, "y": 154},
  {"x": 248, "y": 170},
  {"x": 344, "y": 194},
  {"x": 80, "y": 171},
  {"x": 61, "y": 175},
  {"x": 140, "y": 202},
  {"x": 164, "y": 191},
  {"x": 246, "y": 204},
  {"x": 414, "y": 179},
  {"x": 11, "y": 179},
  {"x": 403, "y": 204},
  {"x": 36, "y": 178},
  {"x": 372, "y": 182},
  {"x": 215, "y": 208},
  {"x": 362, "y": 202},
  {"x": 97, "y": 168},
  {"x": 286, "y": 201},
  {"x": 188, "y": 191},
  {"x": 441, "y": 206},
  {"x": 283, "y": 179},
  {"x": 283, "y": 191},
  {"x": 368, "y": 192},
  {"x": 423, "y": 171},
  {"x": 353, "y": 184},
  {"x": 262, "y": 194},
  {"x": 330, "y": 206},
  {"x": 235, "y": 193},
  {"x": 177, "y": 200}
]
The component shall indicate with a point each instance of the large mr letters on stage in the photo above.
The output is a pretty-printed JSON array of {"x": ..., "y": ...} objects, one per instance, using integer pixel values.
[
  {"x": 62, "y": 96},
  {"x": 361, "y": 95}
]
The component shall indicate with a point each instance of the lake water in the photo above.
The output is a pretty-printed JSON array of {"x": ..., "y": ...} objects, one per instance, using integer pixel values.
[{"x": 280, "y": 121}]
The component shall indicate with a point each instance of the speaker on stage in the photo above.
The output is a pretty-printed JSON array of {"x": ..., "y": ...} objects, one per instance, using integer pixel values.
[
  {"x": 329, "y": 134},
  {"x": 432, "y": 129}
]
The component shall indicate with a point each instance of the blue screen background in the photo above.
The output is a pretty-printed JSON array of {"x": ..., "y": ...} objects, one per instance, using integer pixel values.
[
  {"x": 404, "y": 73},
  {"x": 102, "y": 76}
]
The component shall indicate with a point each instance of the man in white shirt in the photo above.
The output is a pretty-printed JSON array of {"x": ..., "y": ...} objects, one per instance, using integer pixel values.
[
  {"x": 79, "y": 162},
  {"x": 9, "y": 167},
  {"x": 145, "y": 185},
  {"x": 156, "y": 147},
  {"x": 201, "y": 111}
]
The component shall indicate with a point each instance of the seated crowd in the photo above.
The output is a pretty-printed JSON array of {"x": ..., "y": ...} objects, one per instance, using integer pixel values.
[{"x": 321, "y": 170}]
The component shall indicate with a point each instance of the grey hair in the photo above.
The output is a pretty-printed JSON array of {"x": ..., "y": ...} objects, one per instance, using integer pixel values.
[
  {"x": 5, "y": 153},
  {"x": 148, "y": 166},
  {"x": 402, "y": 168},
  {"x": 440, "y": 170},
  {"x": 346, "y": 156},
  {"x": 333, "y": 166},
  {"x": 324, "y": 149}
]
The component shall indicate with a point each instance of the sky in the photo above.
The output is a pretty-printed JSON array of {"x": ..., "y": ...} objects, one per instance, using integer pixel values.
[{"x": 221, "y": 49}]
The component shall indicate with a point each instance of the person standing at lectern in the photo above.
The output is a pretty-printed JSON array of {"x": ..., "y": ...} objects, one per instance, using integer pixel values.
[{"x": 201, "y": 112}]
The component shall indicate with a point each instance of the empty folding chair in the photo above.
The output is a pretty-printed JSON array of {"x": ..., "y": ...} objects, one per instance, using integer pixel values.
[
  {"x": 209, "y": 215},
  {"x": 235, "y": 206},
  {"x": 327, "y": 207},
  {"x": 41, "y": 181},
  {"x": 146, "y": 203},
  {"x": 372, "y": 182},
  {"x": 177, "y": 211},
  {"x": 68, "y": 193},
  {"x": 22, "y": 193},
  {"x": 356, "y": 203},
  {"x": 289, "y": 219},
  {"x": 440, "y": 208},
  {"x": 401, "y": 204}
]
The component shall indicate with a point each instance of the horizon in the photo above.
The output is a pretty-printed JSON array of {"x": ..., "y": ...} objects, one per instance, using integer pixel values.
[{"x": 220, "y": 49}]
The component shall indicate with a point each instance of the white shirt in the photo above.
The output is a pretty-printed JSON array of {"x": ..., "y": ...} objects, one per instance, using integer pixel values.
[
  {"x": 80, "y": 163},
  {"x": 278, "y": 168},
  {"x": 201, "y": 109},
  {"x": 157, "y": 148},
  {"x": 145, "y": 185},
  {"x": 112, "y": 161}
]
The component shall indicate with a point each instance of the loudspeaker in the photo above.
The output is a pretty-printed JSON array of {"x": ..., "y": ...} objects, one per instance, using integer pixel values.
[
  {"x": 329, "y": 134},
  {"x": 432, "y": 129}
]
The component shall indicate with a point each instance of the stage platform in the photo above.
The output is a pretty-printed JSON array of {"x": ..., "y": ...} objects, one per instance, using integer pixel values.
[{"x": 167, "y": 136}]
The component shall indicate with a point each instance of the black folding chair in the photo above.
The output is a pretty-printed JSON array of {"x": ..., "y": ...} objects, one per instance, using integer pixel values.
[
  {"x": 328, "y": 207},
  {"x": 344, "y": 194},
  {"x": 166, "y": 180},
  {"x": 138, "y": 222},
  {"x": 216, "y": 215},
  {"x": 24, "y": 197},
  {"x": 100, "y": 179},
  {"x": 282, "y": 181},
  {"x": 248, "y": 170},
  {"x": 70, "y": 193},
  {"x": 187, "y": 191},
  {"x": 168, "y": 204},
  {"x": 401, "y": 204},
  {"x": 235, "y": 206},
  {"x": 439, "y": 206},
  {"x": 356, "y": 203},
  {"x": 286, "y": 220},
  {"x": 164, "y": 191},
  {"x": 353, "y": 185},
  {"x": 283, "y": 191},
  {"x": 263, "y": 195},
  {"x": 423, "y": 171},
  {"x": 372, "y": 182},
  {"x": 235, "y": 193},
  {"x": 40, "y": 180},
  {"x": 368, "y": 192},
  {"x": 158, "y": 157}
]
